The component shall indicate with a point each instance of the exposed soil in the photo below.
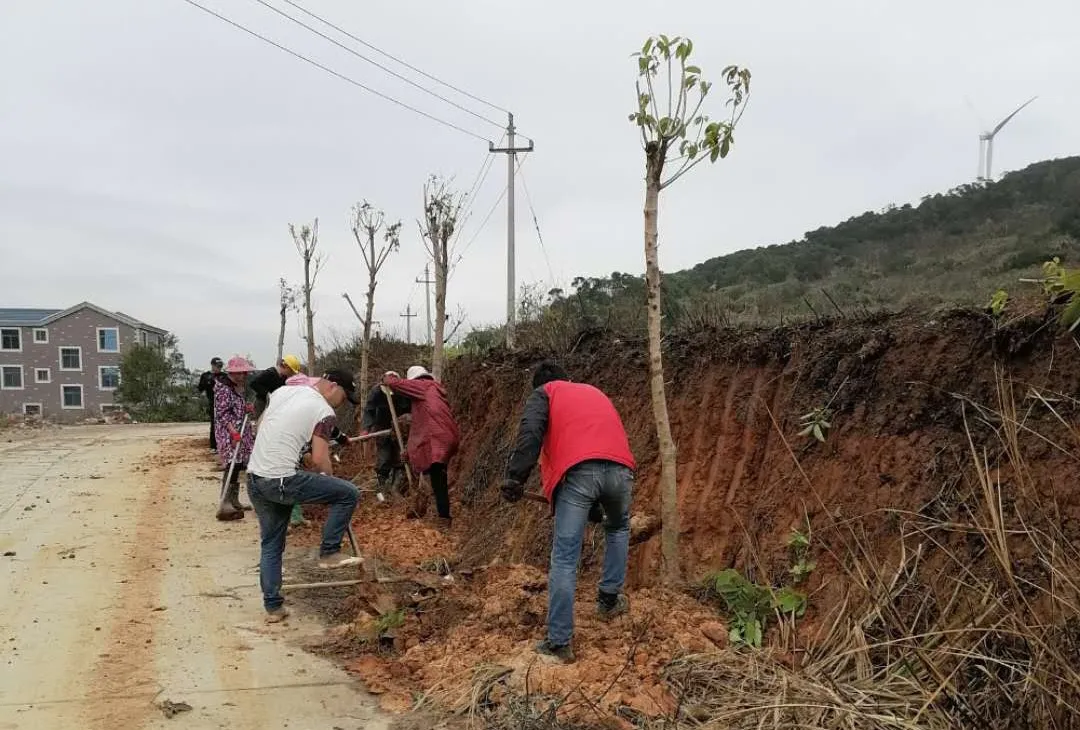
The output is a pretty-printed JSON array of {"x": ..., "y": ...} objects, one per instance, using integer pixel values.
[{"x": 911, "y": 395}]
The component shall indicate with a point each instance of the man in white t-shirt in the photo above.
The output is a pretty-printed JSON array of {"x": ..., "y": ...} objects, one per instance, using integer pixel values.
[{"x": 298, "y": 414}]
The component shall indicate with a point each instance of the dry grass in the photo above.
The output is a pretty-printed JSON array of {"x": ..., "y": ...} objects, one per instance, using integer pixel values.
[{"x": 973, "y": 623}]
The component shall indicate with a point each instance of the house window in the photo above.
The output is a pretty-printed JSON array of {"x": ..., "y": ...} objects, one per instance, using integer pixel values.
[
  {"x": 108, "y": 339},
  {"x": 142, "y": 338},
  {"x": 11, "y": 339},
  {"x": 71, "y": 358},
  {"x": 42, "y": 375},
  {"x": 31, "y": 409},
  {"x": 109, "y": 377},
  {"x": 41, "y": 336},
  {"x": 71, "y": 396},
  {"x": 11, "y": 377}
]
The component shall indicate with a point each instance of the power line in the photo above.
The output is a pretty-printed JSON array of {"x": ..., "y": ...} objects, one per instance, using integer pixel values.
[
  {"x": 481, "y": 174},
  {"x": 377, "y": 64},
  {"x": 487, "y": 217},
  {"x": 536, "y": 224},
  {"x": 470, "y": 200},
  {"x": 332, "y": 72},
  {"x": 391, "y": 56}
]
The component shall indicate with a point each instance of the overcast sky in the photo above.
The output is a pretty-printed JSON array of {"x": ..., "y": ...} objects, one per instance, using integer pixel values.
[{"x": 152, "y": 157}]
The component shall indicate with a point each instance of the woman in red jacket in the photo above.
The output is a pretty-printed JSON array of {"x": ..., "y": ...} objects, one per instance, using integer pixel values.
[{"x": 433, "y": 433}]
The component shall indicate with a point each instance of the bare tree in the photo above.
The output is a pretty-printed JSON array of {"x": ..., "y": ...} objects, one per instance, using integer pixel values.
[
  {"x": 674, "y": 133},
  {"x": 442, "y": 207},
  {"x": 307, "y": 243},
  {"x": 366, "y": 224},
  {"x": 286, "y": 303}
]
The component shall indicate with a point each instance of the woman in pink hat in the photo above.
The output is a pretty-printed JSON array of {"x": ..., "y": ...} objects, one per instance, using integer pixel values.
[{"x": 229, "y": 411}]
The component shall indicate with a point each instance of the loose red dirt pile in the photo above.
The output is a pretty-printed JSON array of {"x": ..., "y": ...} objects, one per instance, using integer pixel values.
[{"x": 906, "y": 393}]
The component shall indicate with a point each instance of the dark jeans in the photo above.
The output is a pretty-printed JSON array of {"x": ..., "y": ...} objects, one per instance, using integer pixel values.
[
  {"x": 387, "y": 456},
  {"x": 584, "y": 485},
  {"x": 438, "y": 478},
  {"x": 273, "y": 500},
  {"x": 213, "y": 438}
]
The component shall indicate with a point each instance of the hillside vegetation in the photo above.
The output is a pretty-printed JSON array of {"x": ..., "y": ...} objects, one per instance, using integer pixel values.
[{"x": 955, "y": 247}]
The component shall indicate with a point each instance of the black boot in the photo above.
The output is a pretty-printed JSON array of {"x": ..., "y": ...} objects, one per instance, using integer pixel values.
[
  {"x": 234, "y": 499},
  {"x": 227, "y": 511}
]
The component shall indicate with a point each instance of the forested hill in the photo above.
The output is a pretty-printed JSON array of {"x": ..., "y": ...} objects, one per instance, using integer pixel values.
[
  {"x": 957, "y": 246},
  {"x": 954, "y": 247}
]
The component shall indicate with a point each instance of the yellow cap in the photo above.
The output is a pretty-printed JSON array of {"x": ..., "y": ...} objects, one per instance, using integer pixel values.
[{"x": 292, "y": 362}]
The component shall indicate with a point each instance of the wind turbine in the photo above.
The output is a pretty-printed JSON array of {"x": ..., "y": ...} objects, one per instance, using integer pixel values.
[{"x": 986, "y": 144}]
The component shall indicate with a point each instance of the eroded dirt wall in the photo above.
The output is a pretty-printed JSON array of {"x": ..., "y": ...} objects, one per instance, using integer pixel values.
[{"x": 901, "y": 388}]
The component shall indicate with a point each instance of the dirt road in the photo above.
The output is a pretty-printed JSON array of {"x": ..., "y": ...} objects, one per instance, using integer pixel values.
[{"x": 123, "y": 592}]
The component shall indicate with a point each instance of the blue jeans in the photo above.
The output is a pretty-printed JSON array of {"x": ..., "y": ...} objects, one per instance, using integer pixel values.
[
  {"x": 273, "y": 500},
  {"x": 611, "y": 485}
]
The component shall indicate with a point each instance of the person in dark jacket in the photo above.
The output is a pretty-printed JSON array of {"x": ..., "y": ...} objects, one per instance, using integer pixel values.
[
  {"x": 269, "y": 380},
  {"x": 377, "y": 417},
  {"x": 206, "y": 387},
  {"x": 433, "y": 433},
  {"x": 585, "y": 461}
]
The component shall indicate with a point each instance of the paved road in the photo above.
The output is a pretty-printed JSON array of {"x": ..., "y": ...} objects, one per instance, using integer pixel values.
[{"x": 124, "y": 592}]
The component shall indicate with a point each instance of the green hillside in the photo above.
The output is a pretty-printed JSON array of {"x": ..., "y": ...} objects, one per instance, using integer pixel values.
[{"x": 953, "y": 247}]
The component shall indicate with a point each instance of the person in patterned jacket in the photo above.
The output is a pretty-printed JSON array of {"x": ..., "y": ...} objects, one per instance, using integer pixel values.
[{"x": 230, "y": 408}]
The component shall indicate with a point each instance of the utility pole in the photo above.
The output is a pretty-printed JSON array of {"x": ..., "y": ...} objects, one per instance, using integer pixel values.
[
  {"x": 427, "y": 281},
  {"x": 511, "y": 167},
  {"x": 408, "y": 323}
]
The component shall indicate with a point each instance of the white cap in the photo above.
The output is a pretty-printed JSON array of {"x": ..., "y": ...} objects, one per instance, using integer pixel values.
[{"x": 416, "y": 371}]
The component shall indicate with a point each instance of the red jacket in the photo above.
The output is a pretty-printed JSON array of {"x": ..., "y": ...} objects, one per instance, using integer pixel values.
[
  {"x": 565, "y": 424},
  {"x": 433, "y": 434}
]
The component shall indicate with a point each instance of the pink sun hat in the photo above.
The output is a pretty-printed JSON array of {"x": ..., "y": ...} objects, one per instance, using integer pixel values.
[{"x": 239, "y": 364}]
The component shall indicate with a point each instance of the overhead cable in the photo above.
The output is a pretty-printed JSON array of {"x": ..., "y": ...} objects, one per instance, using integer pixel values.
[{"x": 332, "y": 72}]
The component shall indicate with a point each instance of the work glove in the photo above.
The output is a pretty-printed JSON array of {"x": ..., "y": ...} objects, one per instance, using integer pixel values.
[
  {"x": 342, "y": 439},
  {"x": 249, "y": 408},
  {"x": 512, "y": 490},
  {"x": 234, "y": 436}
]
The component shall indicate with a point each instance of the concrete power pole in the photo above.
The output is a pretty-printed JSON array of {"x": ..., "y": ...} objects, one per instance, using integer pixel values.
[
  {"x": 408, "y": 323},
  {"x": 511, "y": 167},
  {"x": 427, "y": 281}
]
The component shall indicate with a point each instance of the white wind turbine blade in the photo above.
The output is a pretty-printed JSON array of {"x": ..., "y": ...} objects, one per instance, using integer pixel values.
[{"x": 1006, "y": 120}]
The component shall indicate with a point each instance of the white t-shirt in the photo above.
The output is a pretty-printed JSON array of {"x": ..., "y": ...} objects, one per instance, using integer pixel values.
[{"x": 294, "y": 413}]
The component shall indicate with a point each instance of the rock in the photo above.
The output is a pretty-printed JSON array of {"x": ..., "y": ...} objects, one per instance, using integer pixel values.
[{"x": 9, "y": 553}]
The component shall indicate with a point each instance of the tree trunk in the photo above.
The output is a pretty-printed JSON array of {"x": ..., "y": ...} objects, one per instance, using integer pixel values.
[
  {"x": 441, "y": 265},
  {"x": 310, "y": 316},
  {"x": 369, "y": 313},
  {"x": 669, "y": 498},
  {"x": 281, "y": 332}
]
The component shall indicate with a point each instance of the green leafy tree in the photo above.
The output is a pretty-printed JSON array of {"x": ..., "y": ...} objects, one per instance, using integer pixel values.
[
  {"x": 154, "y": 388},
  {"x": 676, "y": 138}
]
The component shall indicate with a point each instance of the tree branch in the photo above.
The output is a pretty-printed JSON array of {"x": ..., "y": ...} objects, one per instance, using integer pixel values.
[{"x": 685, "y": 169}]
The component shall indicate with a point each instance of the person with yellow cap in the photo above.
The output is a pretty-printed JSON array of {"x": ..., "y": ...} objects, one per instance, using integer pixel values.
[{"x": 269, "y": 380}]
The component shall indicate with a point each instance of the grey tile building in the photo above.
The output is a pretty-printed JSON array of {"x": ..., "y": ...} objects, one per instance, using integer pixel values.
[{"x": 64, "y": 364}]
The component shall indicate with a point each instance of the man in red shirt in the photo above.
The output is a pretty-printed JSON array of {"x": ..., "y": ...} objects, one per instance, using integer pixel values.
[{"x": 585, "y": 462}]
